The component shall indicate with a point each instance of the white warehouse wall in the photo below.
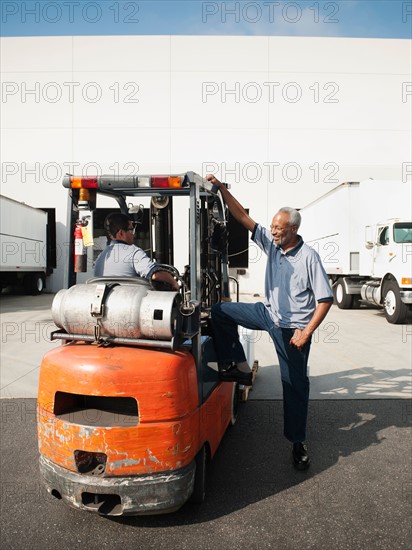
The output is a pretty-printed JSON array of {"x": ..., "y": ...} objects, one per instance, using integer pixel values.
[{"x": 283, "y": 119}]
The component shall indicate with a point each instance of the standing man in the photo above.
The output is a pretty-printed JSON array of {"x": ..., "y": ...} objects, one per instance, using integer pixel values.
[
  {"x": 298, "y": 297},
  {"x": 122, "y": 258}
]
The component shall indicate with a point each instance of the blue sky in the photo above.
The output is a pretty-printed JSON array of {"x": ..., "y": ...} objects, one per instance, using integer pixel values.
[{"x": 347, "y": 18}]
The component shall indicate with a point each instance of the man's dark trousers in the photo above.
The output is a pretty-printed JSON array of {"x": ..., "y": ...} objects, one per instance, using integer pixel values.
[{"x": 293, "y": 362}]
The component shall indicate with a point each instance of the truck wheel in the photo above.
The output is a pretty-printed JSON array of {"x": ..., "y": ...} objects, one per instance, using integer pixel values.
[
  {"x": 342, "y": 298},
  {"x": 199, "y": 487},
  {"x": 356, "y": 301},
  {"x": 395, "y": 310},
  {"x": 34, "y": 283}
]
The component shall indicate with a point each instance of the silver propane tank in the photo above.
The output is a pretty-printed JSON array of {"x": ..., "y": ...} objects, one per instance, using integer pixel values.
[{"x": 129, "y": 311}]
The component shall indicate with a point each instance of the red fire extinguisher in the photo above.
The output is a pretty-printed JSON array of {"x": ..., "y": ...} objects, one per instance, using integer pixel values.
[{"x": 80, "y": 254}]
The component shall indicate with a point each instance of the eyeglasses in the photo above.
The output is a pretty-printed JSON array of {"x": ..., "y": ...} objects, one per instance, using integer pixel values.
[
  {"x": 280, "y": 229},
  {"x": 132, "y": 229}
]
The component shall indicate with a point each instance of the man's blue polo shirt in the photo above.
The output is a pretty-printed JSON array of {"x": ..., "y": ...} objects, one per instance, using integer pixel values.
[
  {"x": 120, "y": 259},
  {"x": 295, "y": 281}
]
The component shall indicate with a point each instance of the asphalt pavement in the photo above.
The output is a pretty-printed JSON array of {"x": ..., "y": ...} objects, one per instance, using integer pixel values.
[{"x": 356, "y": 494}]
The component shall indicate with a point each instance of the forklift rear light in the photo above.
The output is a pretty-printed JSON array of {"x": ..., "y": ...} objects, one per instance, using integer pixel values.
[
  {"x": 167, "y": 181},
  {"x": 84, "y": 194},
  {"x": 83, "y": 183},
  {"x": 160, "y": 181},
  {"x": 175, "y": 181},
  {"x": 144, "y": 181}
]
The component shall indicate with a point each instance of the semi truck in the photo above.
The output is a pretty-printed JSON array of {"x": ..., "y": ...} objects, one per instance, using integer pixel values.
[
  {"x": 24, "y": 246},
  {"x": 363, "y": 233}
]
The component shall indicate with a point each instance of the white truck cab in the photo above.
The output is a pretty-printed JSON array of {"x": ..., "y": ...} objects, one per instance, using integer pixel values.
[
  {"x": 389, "y": 253},
  {"x": 363, "y": 234}
]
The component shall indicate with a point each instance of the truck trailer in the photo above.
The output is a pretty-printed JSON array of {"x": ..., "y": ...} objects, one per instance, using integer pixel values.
[
  {"x": 363, "y": 234},
  {"x": 24, "y": 246}
]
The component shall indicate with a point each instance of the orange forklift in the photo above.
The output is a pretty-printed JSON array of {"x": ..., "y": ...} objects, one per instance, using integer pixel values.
[{"x": 130, "y": 406}]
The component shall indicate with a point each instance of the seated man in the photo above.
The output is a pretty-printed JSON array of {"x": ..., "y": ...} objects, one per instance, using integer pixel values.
[{"x": 122, "y": 258}]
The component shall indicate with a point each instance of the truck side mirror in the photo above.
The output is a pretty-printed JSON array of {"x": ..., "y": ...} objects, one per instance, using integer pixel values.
[{"x": 369, "y": 245}]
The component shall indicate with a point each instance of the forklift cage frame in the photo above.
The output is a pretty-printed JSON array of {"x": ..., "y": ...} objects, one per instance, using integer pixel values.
[{"x": 198, "y": 190}]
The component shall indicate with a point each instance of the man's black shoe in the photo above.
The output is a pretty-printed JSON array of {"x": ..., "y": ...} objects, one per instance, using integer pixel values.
[
  {"x": 301, "y": 459},
  {"x": 233, "y": 374},
  {"x": 224, "y": 366}
]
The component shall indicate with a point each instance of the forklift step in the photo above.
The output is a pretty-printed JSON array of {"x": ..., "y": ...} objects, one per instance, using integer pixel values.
[{"x": 244, "y": 390}]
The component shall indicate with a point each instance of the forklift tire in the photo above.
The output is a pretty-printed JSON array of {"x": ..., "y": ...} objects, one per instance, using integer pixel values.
[
  {"x": 395, "y": 310},
  {"x": 34, "y": 283},
  {"x": 235, "y": 404},
  {"x": 199, "y": 487},
  {"x": 342, "y": 299}
]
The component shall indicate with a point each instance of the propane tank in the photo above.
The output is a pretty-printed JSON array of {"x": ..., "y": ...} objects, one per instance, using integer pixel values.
[
  {"x": 80, "y": 254},
  {"x": 130, "y": 311}
]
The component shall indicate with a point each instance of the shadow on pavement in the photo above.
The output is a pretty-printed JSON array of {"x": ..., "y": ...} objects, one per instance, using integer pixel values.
[
  {"x": 254, "y": 459},
  {"x": 365, "y": 381},
  {"x": 358, "y": 486}
]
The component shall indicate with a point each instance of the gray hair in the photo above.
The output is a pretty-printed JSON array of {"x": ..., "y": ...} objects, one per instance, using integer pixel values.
[{"x": 294, "y": 217}]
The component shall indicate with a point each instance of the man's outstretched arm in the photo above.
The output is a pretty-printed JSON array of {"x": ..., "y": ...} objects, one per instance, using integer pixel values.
[{"x": 235, "y": 208}]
